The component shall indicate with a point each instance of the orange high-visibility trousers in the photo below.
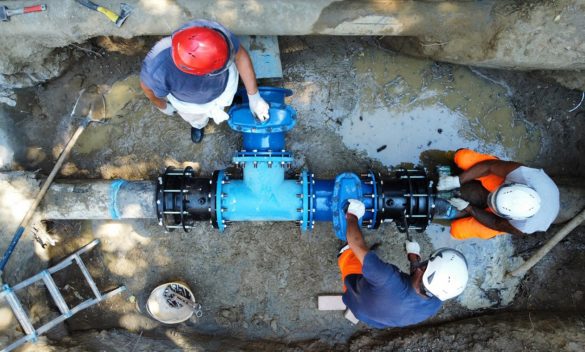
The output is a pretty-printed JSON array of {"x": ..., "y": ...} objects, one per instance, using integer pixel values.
[
  {"x": 468, "y": 227},
  {"x": 348, "y": 264}
]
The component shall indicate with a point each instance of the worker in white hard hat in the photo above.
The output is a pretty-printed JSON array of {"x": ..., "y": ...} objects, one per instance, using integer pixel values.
[
  {"x": 498, "y": 197},
  {"x": 380, "y": 295}
]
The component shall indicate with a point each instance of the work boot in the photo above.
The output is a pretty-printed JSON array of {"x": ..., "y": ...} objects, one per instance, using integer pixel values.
[{"x": 196, "y": 134}]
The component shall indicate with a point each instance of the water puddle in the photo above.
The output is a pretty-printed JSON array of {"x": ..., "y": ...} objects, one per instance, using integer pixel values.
[
  {"x": 116, "y": 98},
  {"x": 407, "y": 106}
]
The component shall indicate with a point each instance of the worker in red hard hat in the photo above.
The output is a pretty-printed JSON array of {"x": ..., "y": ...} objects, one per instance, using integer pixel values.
[{"x": 195, "y": 73}]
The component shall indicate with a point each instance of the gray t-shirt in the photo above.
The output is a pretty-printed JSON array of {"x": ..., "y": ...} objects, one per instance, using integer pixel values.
[{"x": 549, "y": 198}]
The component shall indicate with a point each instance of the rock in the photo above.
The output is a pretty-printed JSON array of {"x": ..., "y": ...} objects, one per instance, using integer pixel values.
[{"x": 7, "y": 97}]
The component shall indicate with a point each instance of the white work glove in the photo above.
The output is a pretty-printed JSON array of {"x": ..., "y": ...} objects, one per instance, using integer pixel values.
[
  {"x": 412, "y": 247},
  {"x": 447, "y": 183},
  {"x": 356, "y": 208},
  {"x": 259, "y": 106},
  {"x": 459, "y": 203},
  {"x": 169, "y": 110}
]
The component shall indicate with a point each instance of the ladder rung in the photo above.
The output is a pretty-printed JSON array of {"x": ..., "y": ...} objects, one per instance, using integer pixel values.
[
  {"x": 19, "y": 343},
  {"x": 56, "y": 294},
  {"x": 19, "y": 311},
  {"x": 88, "y": 277},
  {"x": 67, "y": 261},
  {"x": 85, "y": 304},
  {"x": 28, "y": 282},
  {"x": 90, "y": 302},
  {"x": 48, "y": 326},
  {"x": 62, "y": 265}
]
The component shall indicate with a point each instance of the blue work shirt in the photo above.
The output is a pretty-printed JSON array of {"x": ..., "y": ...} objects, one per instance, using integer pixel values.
[
  {"x": 160, "y": 74},
  {"x": 384, "y": 297}
]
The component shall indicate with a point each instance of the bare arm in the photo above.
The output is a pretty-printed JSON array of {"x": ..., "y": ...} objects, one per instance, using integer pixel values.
[
  {"x": 158, "y": 102},
  {"x": 355, "y": 239},
  {"x": 492, "y": 221},
  {"x": 246, "y": 70},
  {"x": 489, "y": 167}
]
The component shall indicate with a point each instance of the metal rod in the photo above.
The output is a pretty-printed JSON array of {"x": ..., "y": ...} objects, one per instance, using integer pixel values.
[{"x": 31, "y": 210}]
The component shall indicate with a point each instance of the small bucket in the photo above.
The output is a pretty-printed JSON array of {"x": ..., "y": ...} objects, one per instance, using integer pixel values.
[{"x": 172, "y": 303}]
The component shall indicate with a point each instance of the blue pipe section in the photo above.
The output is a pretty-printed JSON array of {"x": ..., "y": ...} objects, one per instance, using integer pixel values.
[
  {"x": 264, "y": 194},
  {"x": 323, "y": 192}
]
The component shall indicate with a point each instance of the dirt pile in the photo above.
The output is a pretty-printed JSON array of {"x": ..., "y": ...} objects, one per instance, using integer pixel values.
[
  {"x": 536, "y": 331},
  {"x": 502, "y": 332}
]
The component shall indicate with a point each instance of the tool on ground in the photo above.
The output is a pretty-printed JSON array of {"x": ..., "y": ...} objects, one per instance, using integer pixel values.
[
  {"x": 119, "y": 20},
  {"x": 32, "y": 333},
  {"x": 564, "y": 231},
  {"x": 195, "y": 306},
  {"x": 91, "y": 106},
  {"x": 6, "y": 13}
]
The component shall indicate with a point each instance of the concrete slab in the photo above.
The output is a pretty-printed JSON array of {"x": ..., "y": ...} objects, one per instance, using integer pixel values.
[{"x": 265, "y": 54}]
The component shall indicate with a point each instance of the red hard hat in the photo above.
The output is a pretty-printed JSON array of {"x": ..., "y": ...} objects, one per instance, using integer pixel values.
[{"x": 199, "y": 50}]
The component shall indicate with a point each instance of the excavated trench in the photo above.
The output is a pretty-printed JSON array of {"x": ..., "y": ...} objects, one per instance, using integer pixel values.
[{"x": 361, "y": 105}]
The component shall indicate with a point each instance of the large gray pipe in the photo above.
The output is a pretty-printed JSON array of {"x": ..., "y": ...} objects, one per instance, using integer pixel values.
[{"x": 99, "y": 199}]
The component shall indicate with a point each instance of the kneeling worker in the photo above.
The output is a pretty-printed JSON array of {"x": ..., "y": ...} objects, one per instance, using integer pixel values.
[
  {"x": 195, "y": 72},
  {"x": 499, "y": 197},
  {"x": 380, "y": 295}
]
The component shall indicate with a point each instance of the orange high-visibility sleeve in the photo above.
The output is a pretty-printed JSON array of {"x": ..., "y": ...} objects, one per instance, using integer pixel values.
[
  {"x": 466, "y": 158},
  {"x": 348, "y": 264}
]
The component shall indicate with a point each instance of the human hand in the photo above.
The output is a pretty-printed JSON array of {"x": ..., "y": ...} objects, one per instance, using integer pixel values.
[
  {"x": 259, "y": 106},
  {"x": 412, "y": 247},
  {"x": 458, "y": 203},
  {"x": 356, "y": 208},
  {"x": 447, "y": 183}
]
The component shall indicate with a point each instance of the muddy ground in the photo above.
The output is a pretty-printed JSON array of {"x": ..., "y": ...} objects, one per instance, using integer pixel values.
[{"x": 260, "y": 281}]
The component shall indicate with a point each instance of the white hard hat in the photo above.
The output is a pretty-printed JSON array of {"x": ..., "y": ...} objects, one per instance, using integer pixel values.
[
  {"x": 514, "y": 201},
  {"x": 446, "y": 274}
]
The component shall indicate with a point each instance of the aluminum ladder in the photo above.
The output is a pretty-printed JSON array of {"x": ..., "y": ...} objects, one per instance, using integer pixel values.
[{"x": 32, "y": 333}]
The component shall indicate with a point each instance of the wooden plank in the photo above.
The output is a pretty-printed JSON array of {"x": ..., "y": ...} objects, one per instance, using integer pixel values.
[
  {"x": 330, "y": 302},
  {"x": 349, "y": 316}
]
